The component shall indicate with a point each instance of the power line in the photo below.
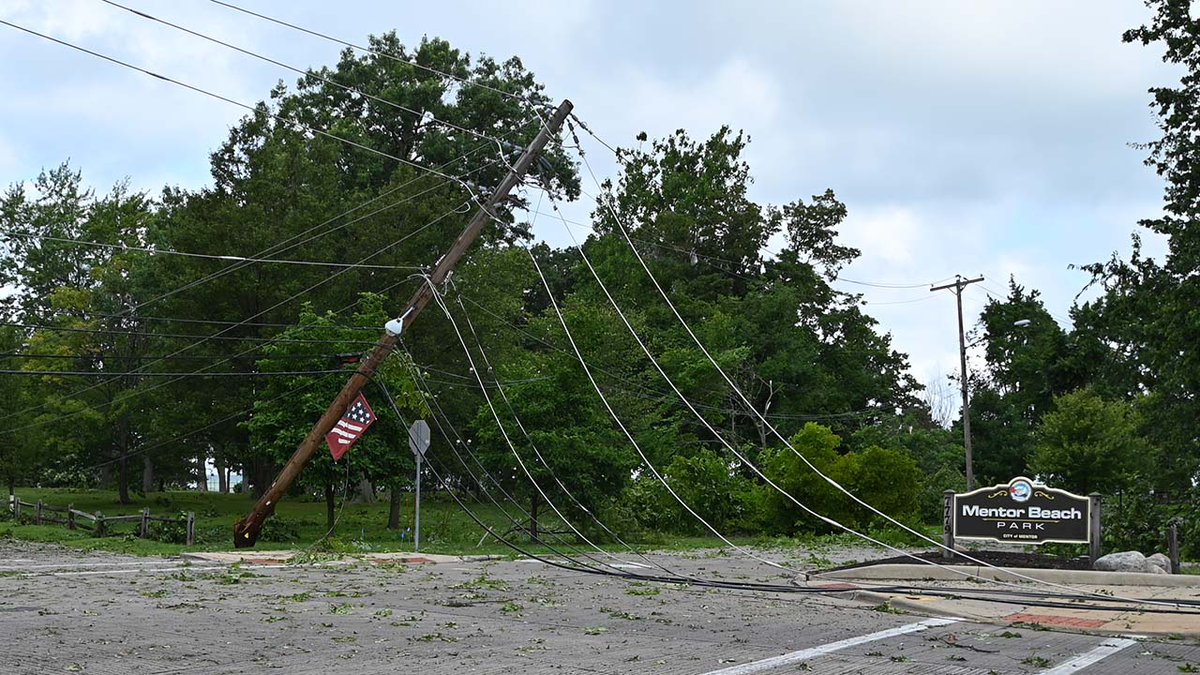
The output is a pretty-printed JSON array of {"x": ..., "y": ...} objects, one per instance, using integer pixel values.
[
  {"x": 185, "y": 336},
  {"x": 775, "y": 432},
  {"x": 307, "y": 73},
  {"x": 218, "y": 322},
  {"x": 206, "y": 427},
  {"x": 260, "y": 313},
  {"x": 132, "y": 357},
  {"x": 281, "y": 246},
  {"x": 227, "y": 258},
  {"x": 437, "y": 297},
  {"x": 378, "y": 54},
  {"x": 254, "y": 109},
  {"x": 142, "y": 373}
]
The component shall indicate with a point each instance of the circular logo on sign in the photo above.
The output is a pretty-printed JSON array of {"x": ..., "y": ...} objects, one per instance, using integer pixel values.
[{"x": 1020, "y": 490}]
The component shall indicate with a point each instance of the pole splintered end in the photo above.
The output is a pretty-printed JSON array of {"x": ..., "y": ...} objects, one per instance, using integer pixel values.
[{"x": 244, "y": 534}]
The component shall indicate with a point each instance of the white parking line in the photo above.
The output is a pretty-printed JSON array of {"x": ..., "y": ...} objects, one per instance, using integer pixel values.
[
  {"x": 813, "y": 652},
  {"x": 136, "y": 570},
  {"x": 1107, "y": 648},
  {"x": 67, "y": 565}
]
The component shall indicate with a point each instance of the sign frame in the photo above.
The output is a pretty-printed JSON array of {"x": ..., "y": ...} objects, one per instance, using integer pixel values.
[{"x": 1019, "y": 491}]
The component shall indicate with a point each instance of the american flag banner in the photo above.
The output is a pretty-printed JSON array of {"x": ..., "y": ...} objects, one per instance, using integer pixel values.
[{"x": 354, "y": 423}]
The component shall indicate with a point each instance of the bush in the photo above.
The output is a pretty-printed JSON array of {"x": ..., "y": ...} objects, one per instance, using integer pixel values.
[
  {"x": 279, "y": 530},
  {"x": 708, "y": 484},
  {"x": 932, "y": 497},
  {"x": 888, "y": 480},
  {"x": 1134, "y": 521},
  {"x": 174, "y": 532}
]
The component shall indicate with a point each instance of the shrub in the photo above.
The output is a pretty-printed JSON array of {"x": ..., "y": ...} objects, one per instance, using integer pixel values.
[
  {"x": 886, "y": 479},
  {"x": 707, "y": 483}
]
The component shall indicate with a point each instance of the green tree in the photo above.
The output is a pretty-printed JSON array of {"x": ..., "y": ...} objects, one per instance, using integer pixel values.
[
  {"x": 301, "y": 380},
  {"x": 1091, "y": 445},
  {"x": 1148, "y": 313}
]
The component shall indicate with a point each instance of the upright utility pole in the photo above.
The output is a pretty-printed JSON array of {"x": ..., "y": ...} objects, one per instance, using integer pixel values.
[
  {"x": 245, "y": 532},
  {"x": 958, "y": 286}
]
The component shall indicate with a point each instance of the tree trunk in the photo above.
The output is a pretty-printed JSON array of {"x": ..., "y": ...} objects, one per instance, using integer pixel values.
[
  {"x": 123, "y": 479},
  {"x": 394, "y": 509},
  {"x": 366, "y": 491},
  {"x": 203, "y": 482},
  {"x": 123, "y": 460},
  {"x": 222, "y": 474},
  {"x": 330, "y": 511},
  {"x": 147, "y": 474}
]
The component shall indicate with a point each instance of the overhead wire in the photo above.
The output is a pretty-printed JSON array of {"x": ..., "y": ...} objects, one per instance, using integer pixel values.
[
  {"x": 437, "y": 297},
  {"x": 709, "y": 260},
  {"x": 716, "y": 434},
  {"x": 450, "y": 433},
  {"x": 373, "y": 52},
  {"x": 240, "y": 414},
  {"x": 178, "y": 336},
  {"x": 653, "y": 394},
  {"x": 283, "y": 246},
  {"x": 420, "y": 114},
  {"x": 621, "y": 228},
  {"x": 225, "y": 258},
  {"x": 291, "y": 243},
  {"x": 117, "y": 376},
  {"x": 788, "y": 588},
  {"x": 538, "y": 453},
  {"x": 254, "y": 109},
  {"x": 628, "y": 434},
  {"x": 290, "y": 298}
]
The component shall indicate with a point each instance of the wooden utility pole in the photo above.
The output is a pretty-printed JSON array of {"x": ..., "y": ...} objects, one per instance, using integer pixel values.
[
  {"x": 245, "y": 532},
  {"x": 958, "y": 286}
]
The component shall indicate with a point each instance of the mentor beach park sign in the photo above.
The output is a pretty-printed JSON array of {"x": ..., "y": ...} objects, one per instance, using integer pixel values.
[{"x": 1021, "y": 512}]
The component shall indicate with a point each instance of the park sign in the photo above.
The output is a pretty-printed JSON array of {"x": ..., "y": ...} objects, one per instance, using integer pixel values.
[{"x": 1022, "y": 512}]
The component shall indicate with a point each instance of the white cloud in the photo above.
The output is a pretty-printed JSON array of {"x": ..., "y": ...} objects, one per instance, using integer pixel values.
[{"x": 887, "y": 236}]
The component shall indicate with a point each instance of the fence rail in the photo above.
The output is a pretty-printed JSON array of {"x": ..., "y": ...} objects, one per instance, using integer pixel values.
[{"x": 97, "y": 522}]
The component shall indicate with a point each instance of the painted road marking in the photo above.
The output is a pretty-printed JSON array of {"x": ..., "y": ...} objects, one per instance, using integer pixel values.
[
  {"x": 121, "y": 563},
  {"x": 137, "y": 570},
  {"x": 1106, "y": 649},
  {"x": 813, "y": 652}
]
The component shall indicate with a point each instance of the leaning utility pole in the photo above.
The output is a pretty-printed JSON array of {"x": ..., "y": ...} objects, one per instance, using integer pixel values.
[
  {"x": 246, "y": 531},
  {"x": 958, "y": 286}
]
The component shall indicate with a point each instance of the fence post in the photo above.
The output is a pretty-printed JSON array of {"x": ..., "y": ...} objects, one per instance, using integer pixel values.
[
  {"x": 948, "y": 524},
  {"x": 144, "y": 530},
  {"x": 70, "y": 516},
  {"x": 37, "y": 513},
  {"x": 1173, "y": 547},
  {"x": 16, "y": 504},
  {"x": 191, "y": 528},
  {"x": 100, "y": 529},
  {"x": 1094, "y": 550}
]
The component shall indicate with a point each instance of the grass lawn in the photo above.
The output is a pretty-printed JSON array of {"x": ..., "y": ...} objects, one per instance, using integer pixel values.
[{"x": 299, "y": 524}]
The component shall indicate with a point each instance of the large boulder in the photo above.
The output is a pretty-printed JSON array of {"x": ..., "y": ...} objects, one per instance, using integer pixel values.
[
  {"x": 1160, "y": 561},
  {"x": 1125, "y": 561}
]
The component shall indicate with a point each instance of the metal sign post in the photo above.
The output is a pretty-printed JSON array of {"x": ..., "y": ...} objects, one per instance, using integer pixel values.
[{"x": 418, "y": 442}]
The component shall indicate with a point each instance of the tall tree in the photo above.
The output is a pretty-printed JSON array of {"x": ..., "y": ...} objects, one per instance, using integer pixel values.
[{"x": 1148, "y": 312}]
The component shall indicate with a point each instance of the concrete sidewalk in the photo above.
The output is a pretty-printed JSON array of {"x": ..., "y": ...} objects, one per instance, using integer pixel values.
[{"x": 1100, "y": 601}]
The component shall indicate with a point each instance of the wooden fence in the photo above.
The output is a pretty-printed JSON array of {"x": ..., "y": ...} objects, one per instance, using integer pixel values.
[{"x": 99, "y": 524}]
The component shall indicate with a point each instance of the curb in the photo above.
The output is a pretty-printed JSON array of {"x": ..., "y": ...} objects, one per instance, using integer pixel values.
[{"x": 904, "y": 572}]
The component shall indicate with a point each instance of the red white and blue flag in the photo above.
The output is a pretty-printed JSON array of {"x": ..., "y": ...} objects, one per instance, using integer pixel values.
[{"x": 354, "y": 423}]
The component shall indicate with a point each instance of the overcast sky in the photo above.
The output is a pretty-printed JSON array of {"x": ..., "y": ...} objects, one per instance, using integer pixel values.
[{"x": 975, "y": 138}]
